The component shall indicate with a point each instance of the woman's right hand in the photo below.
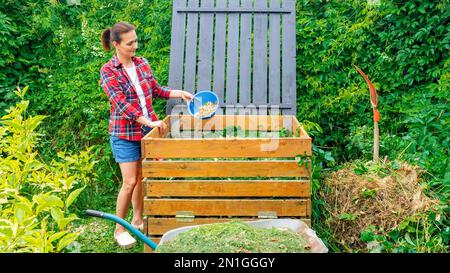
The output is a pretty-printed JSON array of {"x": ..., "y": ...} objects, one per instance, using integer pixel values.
[{"x": 163, "y": 129}]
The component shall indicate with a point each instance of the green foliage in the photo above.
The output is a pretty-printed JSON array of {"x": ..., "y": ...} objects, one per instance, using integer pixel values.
[
  {"x": 402, "y": 46},
  {"x": 34, "y": 196},
  {"x": 403, "y": 49},
  {"x": 96, "y": 236},
  {"x": 319, "y": 163},
  {"x": 414, "y": 234},
  {"x": 58, "y": 50},
  {"x": 348, "y": 216}
]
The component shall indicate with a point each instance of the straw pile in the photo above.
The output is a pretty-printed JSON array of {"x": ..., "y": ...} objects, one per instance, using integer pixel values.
[{"x": 381, "y": 198}]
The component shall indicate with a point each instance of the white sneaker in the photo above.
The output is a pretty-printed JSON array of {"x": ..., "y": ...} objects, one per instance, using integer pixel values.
[{"x": 125, "y": 240}]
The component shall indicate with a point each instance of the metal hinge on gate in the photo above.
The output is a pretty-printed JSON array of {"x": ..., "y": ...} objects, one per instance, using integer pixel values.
[
  {"x": 185, "y": 216},
  {"x": 267, "y": 215}
]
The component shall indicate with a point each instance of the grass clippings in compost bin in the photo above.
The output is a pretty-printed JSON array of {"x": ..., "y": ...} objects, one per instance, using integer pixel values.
[
  {"x": 232, "y": 132},
  {"x": 235, "y": 237}
]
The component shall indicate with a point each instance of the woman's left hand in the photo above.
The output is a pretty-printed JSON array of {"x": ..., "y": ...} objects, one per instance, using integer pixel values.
[{"x": 186, "y": 96}]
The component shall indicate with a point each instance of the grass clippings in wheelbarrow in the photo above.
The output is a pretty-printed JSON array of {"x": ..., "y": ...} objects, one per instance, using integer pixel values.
[{"x": 235, "y": 237}]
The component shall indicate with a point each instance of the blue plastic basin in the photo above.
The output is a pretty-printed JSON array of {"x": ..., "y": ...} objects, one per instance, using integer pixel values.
[{"x": 201, "y": 98}]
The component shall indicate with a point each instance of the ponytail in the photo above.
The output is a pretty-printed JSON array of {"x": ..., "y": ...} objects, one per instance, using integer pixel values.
[{"x": 106, "y": 39}]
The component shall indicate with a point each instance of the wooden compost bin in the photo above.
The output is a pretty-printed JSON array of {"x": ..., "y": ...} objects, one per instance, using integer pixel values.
[{"x": 189, "y": 180}]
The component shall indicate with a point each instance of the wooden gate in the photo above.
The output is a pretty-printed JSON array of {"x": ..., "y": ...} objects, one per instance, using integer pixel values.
[{"x": 245, "y": 52}]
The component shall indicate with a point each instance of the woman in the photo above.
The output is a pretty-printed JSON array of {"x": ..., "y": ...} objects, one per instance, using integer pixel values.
[{"x": 130, "y": 86}]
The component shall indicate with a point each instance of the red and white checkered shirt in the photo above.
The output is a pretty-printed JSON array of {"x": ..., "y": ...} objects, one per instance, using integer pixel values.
[{"x": 124, "y": 100}]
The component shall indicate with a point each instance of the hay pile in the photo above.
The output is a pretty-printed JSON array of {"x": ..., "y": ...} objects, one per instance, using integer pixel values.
[{"x": 379, "y": 196}]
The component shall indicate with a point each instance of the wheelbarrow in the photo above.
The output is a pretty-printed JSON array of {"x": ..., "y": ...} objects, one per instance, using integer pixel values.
[{"x": 317, "y": 246}]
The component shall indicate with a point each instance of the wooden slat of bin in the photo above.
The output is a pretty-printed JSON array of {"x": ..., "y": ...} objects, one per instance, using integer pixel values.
[
  {"x": 226, "y": 207},
  {"x": 155, "y": 132},
  {"x": 298, "y": 129},
  {"x": 159, "y": 226},
  {"x": 227, "y": 188},
  {"x": 272, "y": 168},
  {"x": 213, "y": 148}
]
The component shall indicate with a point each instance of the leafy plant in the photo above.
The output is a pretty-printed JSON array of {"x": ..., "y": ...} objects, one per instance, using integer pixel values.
[{"x": 35, "y": 197}]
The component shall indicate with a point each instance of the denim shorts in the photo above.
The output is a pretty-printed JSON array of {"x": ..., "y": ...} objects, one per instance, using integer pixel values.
[{"x": 127, "y": 150}]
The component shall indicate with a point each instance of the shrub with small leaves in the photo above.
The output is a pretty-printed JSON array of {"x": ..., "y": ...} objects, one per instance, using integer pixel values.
[{"x": 35, "y": 196}]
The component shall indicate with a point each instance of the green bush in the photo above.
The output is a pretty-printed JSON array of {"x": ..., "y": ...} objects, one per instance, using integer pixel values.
[{"x": 34, "y": 196}]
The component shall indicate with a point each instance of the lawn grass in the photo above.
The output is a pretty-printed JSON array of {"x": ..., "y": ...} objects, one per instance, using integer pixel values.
[{"x": 96, "y": 236}]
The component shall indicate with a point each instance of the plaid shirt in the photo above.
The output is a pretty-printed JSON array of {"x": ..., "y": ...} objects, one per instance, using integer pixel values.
[{"x": 125, "y": 108}]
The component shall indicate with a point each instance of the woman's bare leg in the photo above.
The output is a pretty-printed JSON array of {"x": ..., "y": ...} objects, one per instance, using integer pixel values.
[
  {"x": 137, "y": 199},
  {"x": 129, "y": 177}
]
